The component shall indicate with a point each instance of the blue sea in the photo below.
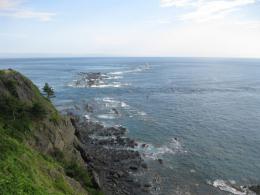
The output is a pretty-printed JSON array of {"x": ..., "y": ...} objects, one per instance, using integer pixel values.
[{"x": 201, "y": 116}]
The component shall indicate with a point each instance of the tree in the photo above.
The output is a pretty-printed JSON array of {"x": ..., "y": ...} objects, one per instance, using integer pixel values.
[{"x": 49, "y": 92}]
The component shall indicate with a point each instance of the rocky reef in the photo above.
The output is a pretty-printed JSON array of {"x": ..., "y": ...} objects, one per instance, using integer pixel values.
[{"x": 111, "y": 157}]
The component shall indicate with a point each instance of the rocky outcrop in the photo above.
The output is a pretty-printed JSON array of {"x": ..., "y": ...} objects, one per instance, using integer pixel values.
[
  {"x": 52, "y": 133},
  {"x": 111, "y": 156}
]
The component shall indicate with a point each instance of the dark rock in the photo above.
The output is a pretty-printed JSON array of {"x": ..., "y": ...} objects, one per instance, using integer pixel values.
[
  {"x": 110, "y": 157},
  {"x": 147, "y": 185},
  {"x": 115, "y": 111},
  {"x": 144, "y": 165},
  {"x": 160, "y": 161},
  {"x": 255, "y": 188}
]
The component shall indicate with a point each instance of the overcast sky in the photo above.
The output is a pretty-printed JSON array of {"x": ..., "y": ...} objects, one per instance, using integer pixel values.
[{"x": 195, "y": 28}]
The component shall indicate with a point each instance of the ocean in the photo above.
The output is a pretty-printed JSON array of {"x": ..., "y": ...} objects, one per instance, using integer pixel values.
[{"x": 200, "y": 116}]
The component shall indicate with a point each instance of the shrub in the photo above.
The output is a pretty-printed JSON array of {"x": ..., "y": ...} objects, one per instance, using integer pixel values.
[
  {"x": 38, "y": 110},
  {"x": 48, "y": 91},
  {"x": 55, "y": 117}
]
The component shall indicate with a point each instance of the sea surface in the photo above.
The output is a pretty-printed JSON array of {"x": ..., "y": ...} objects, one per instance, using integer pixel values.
[{"x": 201, "y": 116}]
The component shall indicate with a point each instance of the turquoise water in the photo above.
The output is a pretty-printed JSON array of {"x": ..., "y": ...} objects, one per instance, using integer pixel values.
[{"x": 211, "y": 106}]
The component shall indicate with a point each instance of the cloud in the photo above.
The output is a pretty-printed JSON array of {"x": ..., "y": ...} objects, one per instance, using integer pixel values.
[
  {"x": 206, "y": 10},
  {"x": 8, "y": 4},
  {"x": 13, "y": 8},
  {"x": 177, "y": 3},
  {"x": 42, "y": 16}
]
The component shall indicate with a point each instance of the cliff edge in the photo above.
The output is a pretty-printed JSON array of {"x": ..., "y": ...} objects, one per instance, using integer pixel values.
[{"x": 38, "y": 146}]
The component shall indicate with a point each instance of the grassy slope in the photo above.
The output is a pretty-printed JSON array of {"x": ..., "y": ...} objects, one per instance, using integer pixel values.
[{"x": 24, "y": 170}]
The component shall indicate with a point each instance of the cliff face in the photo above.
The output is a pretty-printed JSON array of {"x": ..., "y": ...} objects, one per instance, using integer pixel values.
[{"x": 32, "y": 131}]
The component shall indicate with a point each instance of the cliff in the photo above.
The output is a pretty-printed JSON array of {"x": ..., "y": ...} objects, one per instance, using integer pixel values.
[{"x": 38, "y": 146}]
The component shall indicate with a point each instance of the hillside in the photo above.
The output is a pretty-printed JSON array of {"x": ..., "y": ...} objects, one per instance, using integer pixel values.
[{"x": 38, "y": 152}]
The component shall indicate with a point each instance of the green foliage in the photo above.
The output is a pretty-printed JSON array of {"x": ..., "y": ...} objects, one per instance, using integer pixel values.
[
  {"x": 11, "y": 86},
  {"x": 80, "y": 174},
  {"x": 48, "y": 91},
  {"x": 55, "y": 117},
  {"x": 11, "y": 108},
  {"x": 24, "y": 171},
  {"x": 38, "y": 110},
  {"x": 18, "y": 116}
]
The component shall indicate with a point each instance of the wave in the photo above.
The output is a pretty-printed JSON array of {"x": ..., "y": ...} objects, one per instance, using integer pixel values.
[
  {"x": 138, "y": 69},
  {"x": 229, "y": 186},
  {"x": 107, "y": 116},
  {"x": 151, "y": 152},
  {"x": 111, "y": 103}
]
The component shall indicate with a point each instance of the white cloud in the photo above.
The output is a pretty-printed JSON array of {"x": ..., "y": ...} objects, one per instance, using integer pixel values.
[
  {"x": 13, "y": 8},
  {"x": 7, "y": 4},
  {"x": 215, "y": 9},
  {"x": 206, "y": 10},
  {"x": 42, "y": 16},
  {"x": 178, "y": 3}
]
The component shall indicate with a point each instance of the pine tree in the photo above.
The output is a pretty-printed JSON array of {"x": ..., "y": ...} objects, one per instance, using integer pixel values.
[{"x": 48, "y": 91}]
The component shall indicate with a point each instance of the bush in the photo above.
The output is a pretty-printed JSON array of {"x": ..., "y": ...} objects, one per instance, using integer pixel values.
[
  {"x": 10, "y": 85},
  {"x": 55, "y": 117},
  {"x": 38, "y": 110},
  {"x": 80, "y": 174}
]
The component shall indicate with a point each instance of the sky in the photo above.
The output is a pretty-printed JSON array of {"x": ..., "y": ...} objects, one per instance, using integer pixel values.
[{"x": 152, "y": 28}]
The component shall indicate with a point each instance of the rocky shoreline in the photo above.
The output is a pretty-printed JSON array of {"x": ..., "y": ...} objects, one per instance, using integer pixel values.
[{"x": 111, "y": 157}]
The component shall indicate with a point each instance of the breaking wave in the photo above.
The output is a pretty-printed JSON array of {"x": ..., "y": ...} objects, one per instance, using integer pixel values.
[
  {"x": 229, "y": 186},
  {"x": 151, "y": 152}
]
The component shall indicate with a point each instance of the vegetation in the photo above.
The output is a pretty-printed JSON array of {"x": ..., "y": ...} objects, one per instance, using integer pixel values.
[
  {"x": 48, "y": 91},
  {"x": 23, "y": 170}
]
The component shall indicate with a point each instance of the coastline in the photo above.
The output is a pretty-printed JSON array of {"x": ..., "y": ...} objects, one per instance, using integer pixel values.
[{"x": 109, "y": 154}]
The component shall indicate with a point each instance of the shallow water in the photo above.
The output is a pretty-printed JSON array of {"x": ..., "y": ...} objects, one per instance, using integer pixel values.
[{"x": 212, "y": 107}]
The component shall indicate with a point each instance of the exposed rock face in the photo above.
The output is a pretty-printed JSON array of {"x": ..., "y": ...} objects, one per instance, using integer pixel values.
[
  {"x": 109, "y": 155},
  {"x": 48, "y": 135},
  {"x": 13, "y": 83}
]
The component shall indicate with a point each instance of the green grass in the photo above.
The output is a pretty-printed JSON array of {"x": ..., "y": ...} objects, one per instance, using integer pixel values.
[{"x": 25, "y": 171}]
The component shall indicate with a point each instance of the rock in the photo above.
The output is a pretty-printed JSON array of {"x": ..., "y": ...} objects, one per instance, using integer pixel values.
[
  {"x": 144, "y": 165},
  {"x": 133, "y": 168},
  {"x": 144, "y": 145},
  {"x": 147, "y": 185},
  {"x": 115, "y": 111},
  {"x": 89, "y": 108},
  {"x": 160, "y": 161},
  {"x": 110, "y": 157},
  {"x": 255, "y": 188}
]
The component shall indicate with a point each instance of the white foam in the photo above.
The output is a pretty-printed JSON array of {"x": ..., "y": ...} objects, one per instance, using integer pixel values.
[
  {"x": 138, "y": 69},
  {"x": 114, "y": 77},
  {"x": 228, "y": 187},
  {"x": 87, "y": 117},
  {"x": 106, "y": 116},
  {"x": 110, "y": 102},
  {"x": 152, "y": 152},
  {"x": 142, "y": 113}
]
